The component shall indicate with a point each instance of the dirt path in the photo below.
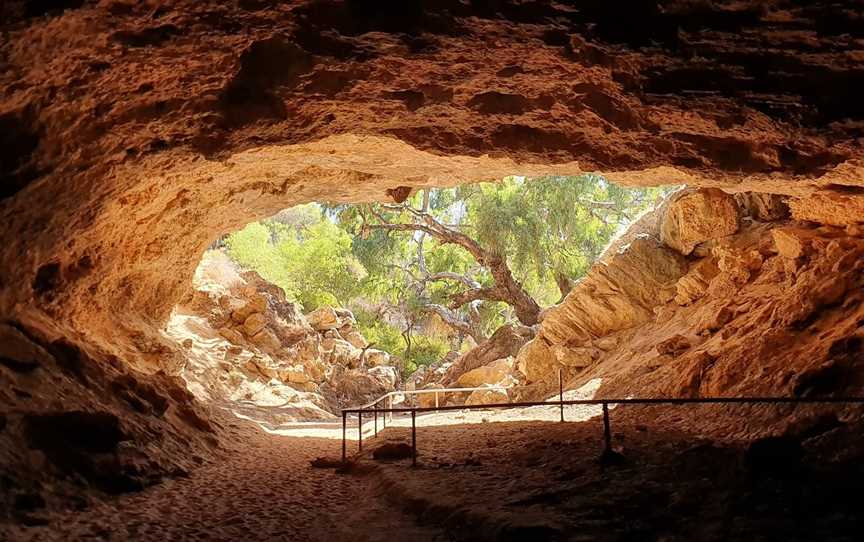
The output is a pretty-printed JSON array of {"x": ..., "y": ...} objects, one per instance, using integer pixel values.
[{"x": 265, "y": 491}]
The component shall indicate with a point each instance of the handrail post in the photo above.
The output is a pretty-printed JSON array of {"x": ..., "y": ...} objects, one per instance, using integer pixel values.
[
  {"x": 360, "y": 430},
  {"x": 344, "y": 427},
  {"x": 384, "y": 419},
  {"x": 413, "y": 438},
  {"x": 561, "y": 392},
  {"x": 436, "y": 399},
  {"x": 376, "y": 419},
  {"x": 607, "y": 432}
]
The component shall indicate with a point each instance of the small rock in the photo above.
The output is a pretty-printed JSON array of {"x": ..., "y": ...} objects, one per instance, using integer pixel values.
[
  {"x": 323, "y": 318},
  {"x": 392, "y": 451},
  {"x": 254, "y": 324},
  {"x": 231, "y": 335},
  {"x": 326, "y": 463}
]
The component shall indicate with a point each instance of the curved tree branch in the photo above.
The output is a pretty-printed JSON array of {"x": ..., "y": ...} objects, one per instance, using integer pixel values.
[{"x": 506, "y": 289}]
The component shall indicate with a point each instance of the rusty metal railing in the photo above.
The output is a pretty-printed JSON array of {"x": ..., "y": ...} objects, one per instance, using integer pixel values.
[
  {"x": 607, "y": 431},
  {"x": 388, "y": 397}
]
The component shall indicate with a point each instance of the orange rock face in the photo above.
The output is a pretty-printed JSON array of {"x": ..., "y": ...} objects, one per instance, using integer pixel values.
[
  {"x": 138, "y": 132},
  {"x": 132, "y": 134}
]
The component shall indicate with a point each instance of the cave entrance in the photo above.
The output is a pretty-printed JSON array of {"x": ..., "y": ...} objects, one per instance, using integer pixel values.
[{"x": 324, "y": 306}]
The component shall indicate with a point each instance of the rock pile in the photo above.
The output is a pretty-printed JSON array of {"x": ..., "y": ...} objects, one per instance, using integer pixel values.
[
  {"x": 489, "y": 364},
  {"x": 725, "y": 295},
  {"x": 257, "y": 345}
]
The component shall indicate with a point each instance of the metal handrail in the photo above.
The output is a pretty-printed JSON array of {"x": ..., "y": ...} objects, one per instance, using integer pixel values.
[
  {"x": 607, "y": 433},
  {"x": 367, "y": 406}
]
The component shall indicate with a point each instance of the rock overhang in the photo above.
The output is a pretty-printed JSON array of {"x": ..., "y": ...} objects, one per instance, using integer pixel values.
[{"x": 147, "y": 130}]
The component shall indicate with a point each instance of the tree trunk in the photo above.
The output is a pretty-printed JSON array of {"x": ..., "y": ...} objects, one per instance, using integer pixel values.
[
  {"x": 507, "y": 289},
  {"x": 564, "y": 284}
]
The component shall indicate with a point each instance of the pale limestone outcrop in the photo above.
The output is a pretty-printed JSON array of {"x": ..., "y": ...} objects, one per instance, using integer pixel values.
[
  {"x": 505, "y": 342},
  {"x": 617, "y": 293},
  {"x": 269, "y": 345},
  {"x": 497, "y": 372},
  {"x": 695, "y": 216},
  {"x": 487, "y": 397}
]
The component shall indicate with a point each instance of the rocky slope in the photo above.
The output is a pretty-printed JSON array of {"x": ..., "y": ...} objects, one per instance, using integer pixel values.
[
  {"x": 747, "y": 303},
  {"x": 245, "y": 343}
]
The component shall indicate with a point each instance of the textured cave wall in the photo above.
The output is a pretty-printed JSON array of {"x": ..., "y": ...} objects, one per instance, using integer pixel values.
[{"x": 136, "y": 132}]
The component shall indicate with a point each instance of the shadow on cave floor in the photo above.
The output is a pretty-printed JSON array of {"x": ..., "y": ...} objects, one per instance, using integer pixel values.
[
  {"x": 546, "y": 481},
  {"x": 493, "y": 481}
]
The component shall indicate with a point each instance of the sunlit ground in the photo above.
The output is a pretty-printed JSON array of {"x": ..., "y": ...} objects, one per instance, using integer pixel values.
[{"x": 333, "y": 430}]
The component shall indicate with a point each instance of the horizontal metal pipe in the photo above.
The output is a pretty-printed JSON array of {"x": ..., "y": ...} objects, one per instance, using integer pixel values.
[
  {"x": 646, "y": 401},
  {"x": 431, "y": 390}
]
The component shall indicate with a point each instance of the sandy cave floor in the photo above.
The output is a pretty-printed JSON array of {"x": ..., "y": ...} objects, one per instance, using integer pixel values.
[{"x": 479, "y": 475}]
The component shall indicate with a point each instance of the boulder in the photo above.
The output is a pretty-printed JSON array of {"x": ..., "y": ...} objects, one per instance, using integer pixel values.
[
  {"x": 386, "y": 375},
  {"x": 375, "y": 357},
  {"x": 495, "y": 372},
  {"x": 793, "y": 242},
  {"x": 487, "y": 397},
  {"x": 354, "y": 337},
  {"x": 346, "y": 317},
  {"x": 427, "y": 400},
  {"x": 357, "y": 386},
  {"x": 505, "y": 342},
  {"x": 255, "y": 303},
  {"x": 254, "y": 324},
  {"x": 344, "y": 354},
  {"x": 617, "y": 294},
  {"x": 536, "y": 360},
  {"x": 266, "y": 339},
  {"x": 696, "y": 216},
  {"x": 232, "y": 335},
  {"x": 323, "y": 318}
]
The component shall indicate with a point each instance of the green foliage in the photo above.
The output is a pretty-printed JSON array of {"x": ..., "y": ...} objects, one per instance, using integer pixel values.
[
  {"x": 425, "y": 350},
  {"x": 553, "y": 226},
  {"x": 385, "y": 336},
  {"x": 550, "y": 231},
  {"x": 312, "y": 261}
]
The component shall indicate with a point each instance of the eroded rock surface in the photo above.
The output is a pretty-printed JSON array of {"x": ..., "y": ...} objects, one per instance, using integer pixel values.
[
  {"x": 132, "y": 134},
  {"x": 244, "y": 341}
]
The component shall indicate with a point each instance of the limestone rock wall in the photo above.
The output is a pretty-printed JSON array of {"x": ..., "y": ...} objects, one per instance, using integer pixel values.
[
  {"x": 243, "y": 341},
  {"x": 132, "y": 134},
  {"x": 771, "y": 308},
  {"x": 137, "y": 132}
]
